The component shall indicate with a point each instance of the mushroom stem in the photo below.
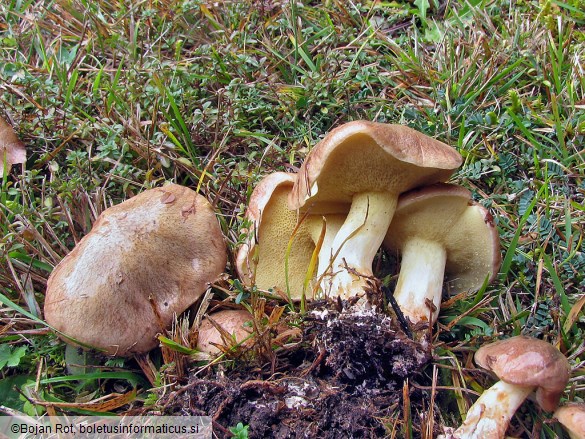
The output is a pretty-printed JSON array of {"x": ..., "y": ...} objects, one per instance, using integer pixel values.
[
  {"x": 333, "y": 223},
  {"x": 421, "y": 279},
  {"x": 357, "y": 242},
  {"x": 489, "y": 417}
]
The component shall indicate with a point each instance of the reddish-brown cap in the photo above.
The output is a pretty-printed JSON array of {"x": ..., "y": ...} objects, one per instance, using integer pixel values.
[
  {"x": 152, "y": 254},
  {"x": 261, "y": 260},
  {"x": 446, "y": 214},
  {"x": 528, "y": 362},
  {"x": 364, "y": 156},
  {"x": 572, "y": 417},
  {"x": 11, "y": 146},
  {"x": 232, "y": 321}
]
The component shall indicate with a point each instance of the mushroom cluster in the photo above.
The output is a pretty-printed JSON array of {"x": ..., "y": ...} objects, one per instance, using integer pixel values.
[{"x": 365, "y": 185}]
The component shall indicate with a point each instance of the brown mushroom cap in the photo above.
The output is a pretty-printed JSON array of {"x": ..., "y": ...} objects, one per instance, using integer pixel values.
[
  {"x": 231, "y": 321},
  {"x": 261, "y": 260},
  {"x": 528, "y": 362},
  {"x": 572, "y": 417},
  {"x": 11, "y": 146},
  {"x": 364, "y": 156},
  {"x": 162, "y": 246},
  {"x": 446, "y": 214}
]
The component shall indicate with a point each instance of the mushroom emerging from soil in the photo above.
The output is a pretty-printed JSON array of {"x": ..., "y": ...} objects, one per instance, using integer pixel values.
[
  {"x": 572, "y": 417},
  {"x": 523, "y": 364},
  {"x": 261, "y": 260},
  {"x": 144, "y": 261},
  {"x": 233, "y": 322},
  {"x": 358, "y": 170},
  {"x": 11, "y": 148},
  {"x": 439, "y": 230}
]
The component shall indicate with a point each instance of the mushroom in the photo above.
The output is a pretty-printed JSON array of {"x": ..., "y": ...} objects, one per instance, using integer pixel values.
[
  {"x": 572, "y": 417},
  {"x": 261, "y": 260},
  {"x": 439, "y": 230},
  {"x": 358, "y": 170},
  {"x": 523, "y": 364},
  {"x": 144, "y": 261},
  {"x": 232, "y": 321},
  {"x": 11, "y": 148}
]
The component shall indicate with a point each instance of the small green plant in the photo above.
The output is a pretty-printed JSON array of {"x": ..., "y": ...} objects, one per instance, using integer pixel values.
[
  {"x": 10, "y": 357},
  {"x": 153, "y": 397},
  {"x": 240, "y": 431}
]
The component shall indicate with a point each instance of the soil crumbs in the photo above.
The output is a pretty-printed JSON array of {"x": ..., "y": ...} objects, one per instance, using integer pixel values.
[{"x": 346, "y": 378}]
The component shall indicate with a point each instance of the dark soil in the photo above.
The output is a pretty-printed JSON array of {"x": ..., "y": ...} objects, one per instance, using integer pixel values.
[{"x": 345, "y": 378}]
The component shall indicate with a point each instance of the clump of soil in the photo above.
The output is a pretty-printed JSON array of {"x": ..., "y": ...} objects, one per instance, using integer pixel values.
[{"x": 344, "y": 379}]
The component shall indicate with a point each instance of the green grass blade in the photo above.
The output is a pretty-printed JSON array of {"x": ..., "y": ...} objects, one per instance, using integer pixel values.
[
  {"x": 132, "y": 378},
  {"x": 557, "y": 283},
  {"x": 507, "y": 262},
  {"x": 35, "y": 263},
  {"x": 176, "y": 346}
]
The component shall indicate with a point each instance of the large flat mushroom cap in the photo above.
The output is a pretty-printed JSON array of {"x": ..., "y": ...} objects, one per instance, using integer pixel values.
[
  {"x": 528, "y": 362},
  {"x": 160, "y": 248},
  {"x": 446, "y": 214},
  {"x": 572, "y": 416},
  {"x": 363, "y": 156},
  {"x": 261, "y": 260}
]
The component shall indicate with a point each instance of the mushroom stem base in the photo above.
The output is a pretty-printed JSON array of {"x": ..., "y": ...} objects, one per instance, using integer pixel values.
[
  {"x": 420, "y": 282},
  {"x": 489, "y": 417},
  {"x": 356, "y": 244}
]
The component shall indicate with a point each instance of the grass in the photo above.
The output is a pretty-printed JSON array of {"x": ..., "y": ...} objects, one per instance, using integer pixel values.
[{"x": 112, "y": 98}]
